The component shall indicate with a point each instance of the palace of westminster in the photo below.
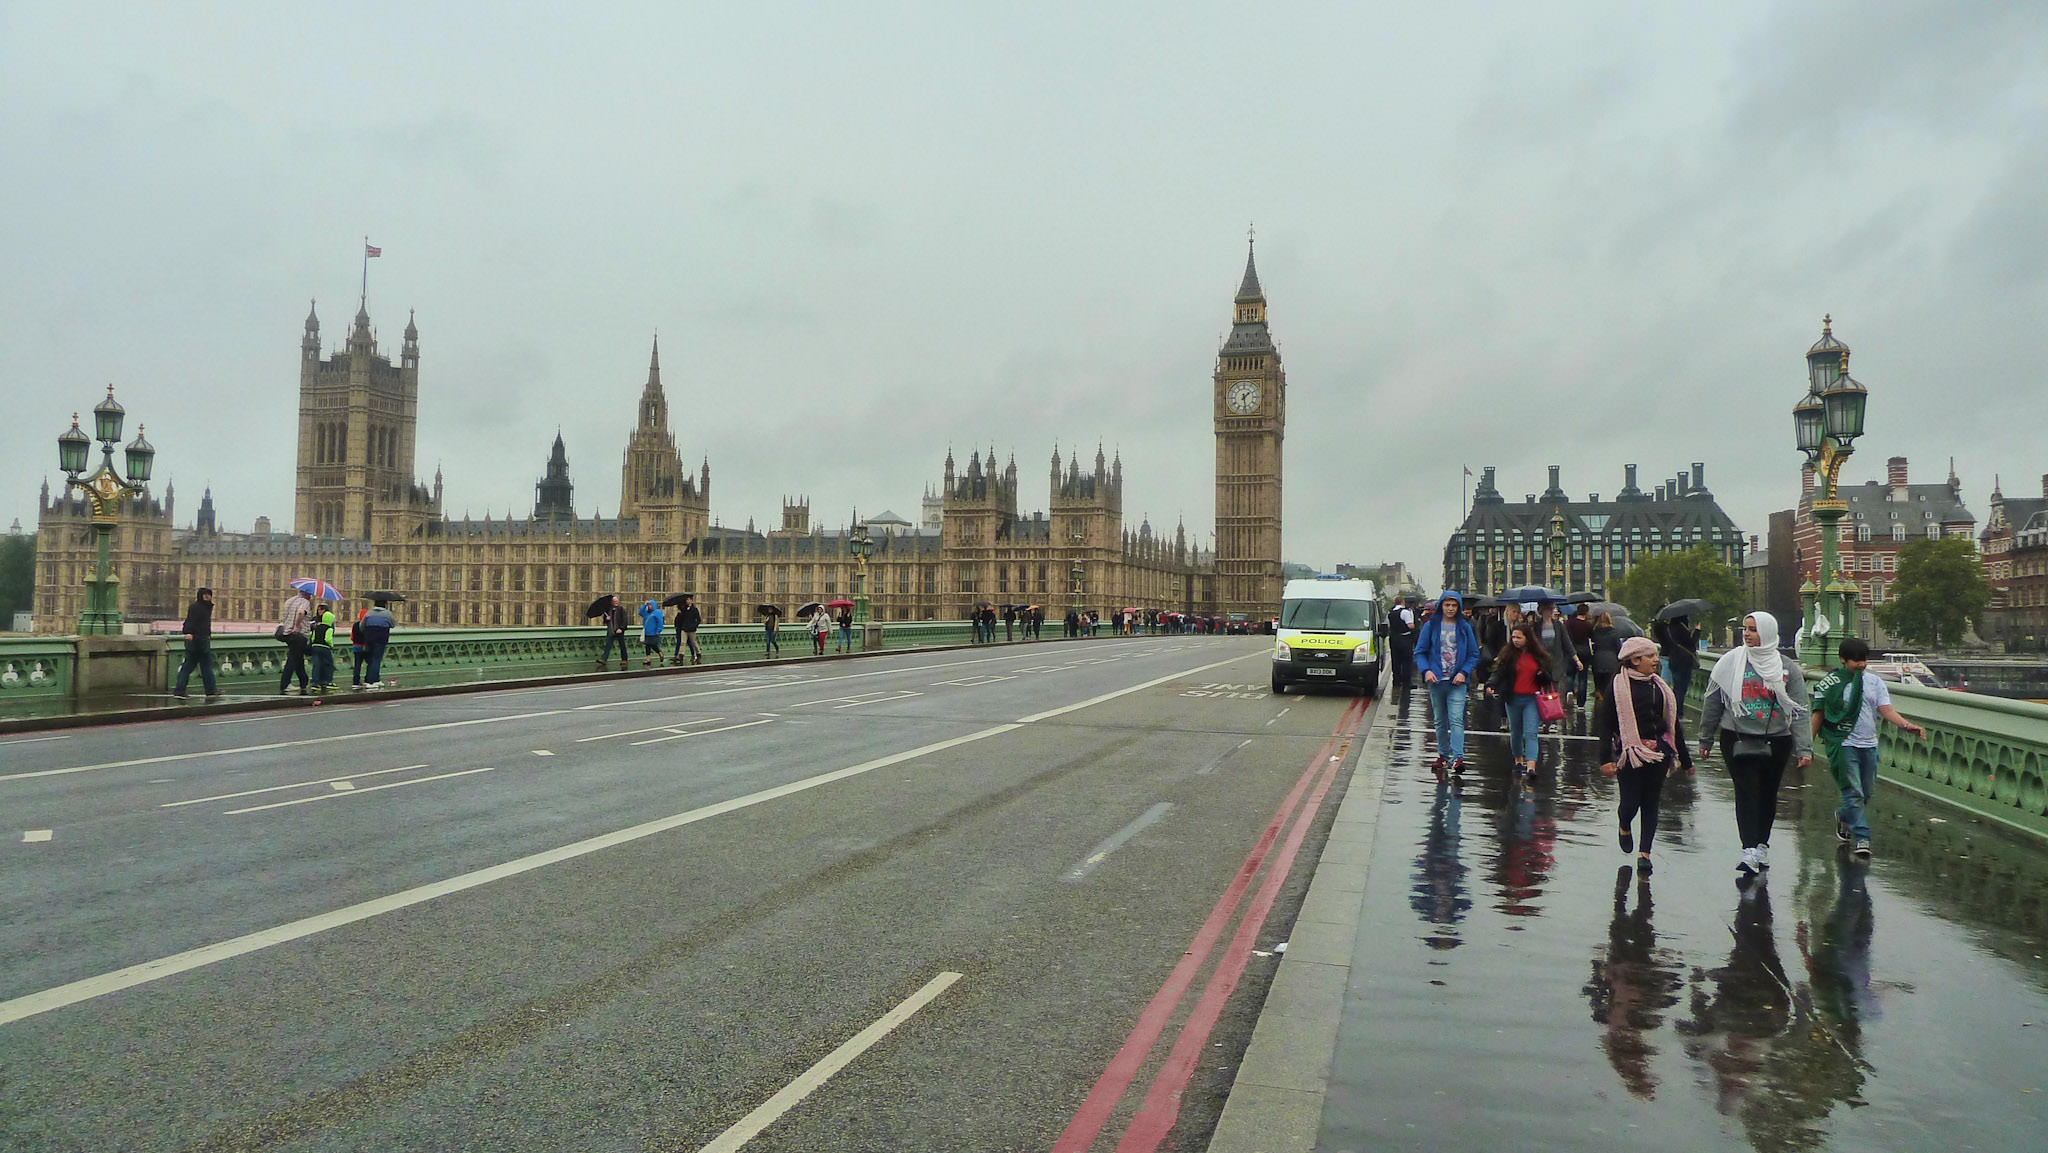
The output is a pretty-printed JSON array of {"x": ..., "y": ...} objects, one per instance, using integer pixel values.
[{"x": 363, "y": 521}]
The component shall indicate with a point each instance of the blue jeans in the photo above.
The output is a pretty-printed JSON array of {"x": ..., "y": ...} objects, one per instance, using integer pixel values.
[
  {"x": 1447, "y": 706},
  {"x": 1523, "y": 725},
  {"x": 612, "y": 640},
  {"x": 373, "y": 657},
  {"x": 1862, "y": 782},
  {"x": 323, "y": 665},
  {"x": 201, "y": 658}
]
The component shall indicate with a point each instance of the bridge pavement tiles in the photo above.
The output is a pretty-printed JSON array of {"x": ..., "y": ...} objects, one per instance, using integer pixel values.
[{"x": 1474, "y": 967}]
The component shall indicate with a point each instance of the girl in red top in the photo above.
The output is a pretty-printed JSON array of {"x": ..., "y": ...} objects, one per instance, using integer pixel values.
[{"x": 1520, "y": 672}]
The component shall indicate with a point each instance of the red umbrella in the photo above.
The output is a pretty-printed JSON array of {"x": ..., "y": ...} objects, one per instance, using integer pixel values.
[{"x": 839, "y": 604}]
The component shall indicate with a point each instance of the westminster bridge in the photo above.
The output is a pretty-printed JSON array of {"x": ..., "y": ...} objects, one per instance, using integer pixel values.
[{"x": 1107, "y": 893}]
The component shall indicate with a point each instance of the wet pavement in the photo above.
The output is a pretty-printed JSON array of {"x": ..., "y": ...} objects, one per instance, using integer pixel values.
[{"x": 1516, "y": 984}]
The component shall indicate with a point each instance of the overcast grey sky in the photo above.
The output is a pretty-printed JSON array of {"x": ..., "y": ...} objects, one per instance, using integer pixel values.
[{"x": 1510, "y": 234}]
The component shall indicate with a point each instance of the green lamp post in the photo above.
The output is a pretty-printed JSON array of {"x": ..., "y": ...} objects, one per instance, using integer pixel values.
[
  {"x": 1078, "y": 574},
  {"x": 1826, "y": 423},
  {"x": 861, "y": 545},
  {"x": 105, "y": 488}
]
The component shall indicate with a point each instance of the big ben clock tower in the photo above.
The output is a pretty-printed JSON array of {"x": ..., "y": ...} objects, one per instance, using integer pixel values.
[{"x": 1251, "y": 420}]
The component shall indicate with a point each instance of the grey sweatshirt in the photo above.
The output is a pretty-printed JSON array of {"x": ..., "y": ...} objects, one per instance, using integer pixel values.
[{"x": 1714, "y": 711}]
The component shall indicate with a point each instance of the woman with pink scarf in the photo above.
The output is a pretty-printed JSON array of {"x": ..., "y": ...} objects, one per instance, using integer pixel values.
[{"x": 1641, "y": 739}]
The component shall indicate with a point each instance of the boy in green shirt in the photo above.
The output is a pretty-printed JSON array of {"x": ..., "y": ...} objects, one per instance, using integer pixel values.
[
  {"x": 322, "y": 648},
  {"x": 1846, "y": 706}
]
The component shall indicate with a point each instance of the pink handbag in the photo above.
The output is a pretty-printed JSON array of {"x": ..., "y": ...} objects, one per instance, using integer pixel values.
[{"x": 1549, "y": 706}]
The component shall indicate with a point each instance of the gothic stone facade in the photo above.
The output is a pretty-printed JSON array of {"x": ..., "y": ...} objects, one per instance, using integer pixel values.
[
  {"x": 1503, "y": 545},
  {"x": 362, "y": 521}
]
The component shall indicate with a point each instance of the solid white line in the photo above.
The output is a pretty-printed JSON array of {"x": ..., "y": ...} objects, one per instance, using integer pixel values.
[
  {"x": 1153, "y": 683},
  {"x": 542, "y": 753},
  {"x": 280, "y": 788},
  {"x": 352, "y": 791},
  {"x": 673, "y": 725},
  {"x": 1116, "y": 840},
  {"x": 280, "y": 745},
  {"x": 30, "y": 836},
  {"x": 90, "y": 987},
  {"x": 701, "y": 732},
  {"x": 36, "y": 740},
  {"x": 787, "y": 1098}
]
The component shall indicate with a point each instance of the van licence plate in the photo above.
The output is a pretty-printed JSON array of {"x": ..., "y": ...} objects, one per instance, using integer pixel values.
[{"x": 1322, "y": 672}]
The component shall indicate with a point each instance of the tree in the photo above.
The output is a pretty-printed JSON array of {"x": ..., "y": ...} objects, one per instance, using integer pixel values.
[
  {"x": 17, "y": 577},
  {"x": 1698, "y": 572},
  {"x": 1939, "y": 593}
]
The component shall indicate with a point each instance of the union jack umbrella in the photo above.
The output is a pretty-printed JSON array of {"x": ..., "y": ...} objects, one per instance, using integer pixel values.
[{"x": 316, "y": 588}]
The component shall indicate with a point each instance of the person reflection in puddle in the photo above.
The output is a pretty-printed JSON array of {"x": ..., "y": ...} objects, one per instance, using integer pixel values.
[
  {"x": 1777, "y": 1063},
  {"x": 1839, "y": 963},
  {"x": 1438, "y": 895},
  {"x": 1632, "y": 986}
]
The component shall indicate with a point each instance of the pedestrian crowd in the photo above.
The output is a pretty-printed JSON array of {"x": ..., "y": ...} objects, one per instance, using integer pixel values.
[{"x": 1757, "y": 709}]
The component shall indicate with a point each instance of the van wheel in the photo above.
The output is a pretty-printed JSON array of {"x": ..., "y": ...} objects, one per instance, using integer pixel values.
[
  {"x": 1279, "y": 687},
  {"x": 1372, "y": 680}
]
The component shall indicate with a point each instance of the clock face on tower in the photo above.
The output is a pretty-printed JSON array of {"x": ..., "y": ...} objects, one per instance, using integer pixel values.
[{"x": 1243, "y": 397}]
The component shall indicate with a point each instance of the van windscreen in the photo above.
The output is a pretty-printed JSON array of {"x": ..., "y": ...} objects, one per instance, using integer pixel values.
[{"x": 1347, "y": 615}]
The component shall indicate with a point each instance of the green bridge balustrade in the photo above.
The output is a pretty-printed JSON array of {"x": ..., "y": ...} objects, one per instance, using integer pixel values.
[
  {"x": 42, "y": 669},
  {"x": 1986, "y": 755}
]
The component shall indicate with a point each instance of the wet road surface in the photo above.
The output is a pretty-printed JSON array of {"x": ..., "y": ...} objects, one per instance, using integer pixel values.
[{"x": 1517, "y": 985}]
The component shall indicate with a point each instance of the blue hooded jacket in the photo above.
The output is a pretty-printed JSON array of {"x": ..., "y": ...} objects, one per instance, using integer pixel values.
[
  {"x": 651, "y": 620},
  {"x": 1429, "y": 644}
]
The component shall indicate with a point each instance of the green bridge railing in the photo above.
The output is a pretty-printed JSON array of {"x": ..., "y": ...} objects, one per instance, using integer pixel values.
[{"x": 40, "y": 670}]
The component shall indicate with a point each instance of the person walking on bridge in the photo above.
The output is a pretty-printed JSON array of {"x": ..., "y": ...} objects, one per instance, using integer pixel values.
[
  {"x": 1756, "y": 701},
  {"x": 1524, "y": 668},
  {"x": 1846, "y": 706},
  {"x": 1401, "y": 644},
  {"x": 652, "y": 621},
  {"x": 1642, "y": 738},
  {"x": 689, "y": 618},
  {"x": 293, "y": 630},
  {"x": 198, "y": 630},
  {"x": 1447, "y": 652}
]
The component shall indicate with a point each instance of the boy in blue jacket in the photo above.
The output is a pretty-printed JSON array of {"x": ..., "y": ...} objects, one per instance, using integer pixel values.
[
  {"x": 1447, "y": 655},
  {"x": 651, "y": 622}
]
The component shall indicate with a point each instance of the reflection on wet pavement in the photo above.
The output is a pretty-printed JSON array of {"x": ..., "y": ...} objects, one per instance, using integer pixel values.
[{"x": 1516, "y": 984}]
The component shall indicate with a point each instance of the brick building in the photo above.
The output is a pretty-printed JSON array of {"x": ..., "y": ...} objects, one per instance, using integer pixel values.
[{"x": 1882, "y": 519}]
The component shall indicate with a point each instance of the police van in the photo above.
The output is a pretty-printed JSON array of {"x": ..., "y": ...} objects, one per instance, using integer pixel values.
[{"x": 1328, "y": 634}]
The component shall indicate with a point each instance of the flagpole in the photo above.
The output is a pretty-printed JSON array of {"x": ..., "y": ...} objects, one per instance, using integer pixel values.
[{"x": 366, "y": 272}]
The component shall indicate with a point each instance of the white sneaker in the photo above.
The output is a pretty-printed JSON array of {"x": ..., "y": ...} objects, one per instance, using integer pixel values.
[
  {"x": 1748, "y": 865},
  {"x": 1763, "y": 856}
]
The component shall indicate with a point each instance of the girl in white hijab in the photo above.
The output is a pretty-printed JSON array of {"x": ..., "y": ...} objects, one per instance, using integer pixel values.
[{"x": 1756, "y": 702}]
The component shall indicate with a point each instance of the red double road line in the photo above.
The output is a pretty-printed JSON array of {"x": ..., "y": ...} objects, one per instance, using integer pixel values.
[{"x": 1162, "y": 1103}]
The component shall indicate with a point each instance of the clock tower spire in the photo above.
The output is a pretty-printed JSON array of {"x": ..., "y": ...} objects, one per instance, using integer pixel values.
[{"x": 1250, "y": 405}]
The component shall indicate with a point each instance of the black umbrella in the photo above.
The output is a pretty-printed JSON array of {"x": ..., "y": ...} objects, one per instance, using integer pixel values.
[
  {"x": 1581, "y": 598},
  {"x": 676, "y": 601},
  {"x": 808, "y": 607},
  {"x": 768, "y": 610},
  {"x": 384, "y": 596},
  {"x": 599, "y": 607},
  {"x": 1536, "y": 593},
  {"x": 1685, "y": 608}
]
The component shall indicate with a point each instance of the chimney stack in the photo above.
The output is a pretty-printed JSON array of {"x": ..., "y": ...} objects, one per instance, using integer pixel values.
[
  {"x": 2044, "y": 486},
  {"x": 1807, "y": 480},
  {"x": 1679, "y": 491},
  {"x": 1895, "y": 472},
  {"x": 1699, "y": 476}
]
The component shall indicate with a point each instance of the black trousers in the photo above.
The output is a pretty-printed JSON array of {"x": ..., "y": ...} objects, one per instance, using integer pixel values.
[
  {"x": 1756, "y": 781},
  {"x": 1641, "y": 789},
  {"x": 295, "y": 646}
]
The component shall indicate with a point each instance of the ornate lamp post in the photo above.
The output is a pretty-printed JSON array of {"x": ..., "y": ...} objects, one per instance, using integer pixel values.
[
  {"x": 105, "y": 488},
  {"x": 1826, "y": 422},
  {"x": 1078, "y": 573},
  {"x": 1557, "y": 559},
  {"x": 861, "y": 546}
]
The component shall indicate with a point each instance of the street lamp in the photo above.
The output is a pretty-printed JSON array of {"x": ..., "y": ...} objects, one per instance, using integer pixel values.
[
  {"x": 860, "y": 545},
  {"x": 105, "y": 488},
  {"x": 1825, "y": 425}
]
